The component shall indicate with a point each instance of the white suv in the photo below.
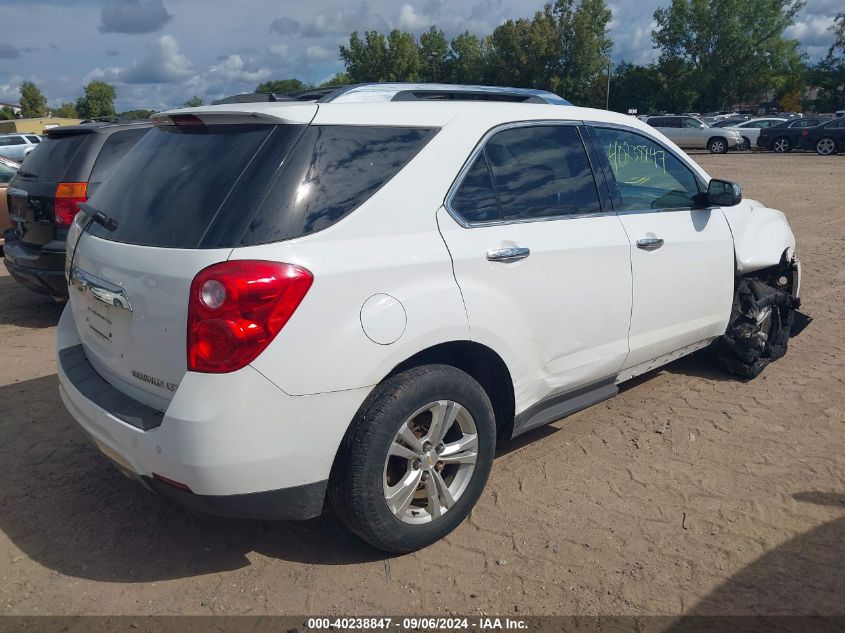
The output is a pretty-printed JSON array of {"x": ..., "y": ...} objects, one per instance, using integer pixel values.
[{"x": 354, "y": 297}]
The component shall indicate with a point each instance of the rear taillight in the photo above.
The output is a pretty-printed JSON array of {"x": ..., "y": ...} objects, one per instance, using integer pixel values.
[
  {"x": 237, "y": 307},
  {"x": 66, "y": 204}
]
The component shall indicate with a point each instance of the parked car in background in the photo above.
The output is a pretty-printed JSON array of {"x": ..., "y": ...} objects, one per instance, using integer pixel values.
[
  {"x": 65, "y": 169},
  {"x": 825, "y": 139},
  {"x": 8, "y": 168},
  {"x": 277, "y": 304},
  {"x": 690, "y": 133},
  {"x": 750, "y": 129},
  {"x": 18, "y": 146},
  {"x": 783, "y": 137},
  {"x": 733, "y": 120}
]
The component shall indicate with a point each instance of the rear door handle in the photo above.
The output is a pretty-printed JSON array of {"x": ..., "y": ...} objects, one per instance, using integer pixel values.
[
  {"x": 650, "y": 243},
  {"x": 507, "y": 255}
]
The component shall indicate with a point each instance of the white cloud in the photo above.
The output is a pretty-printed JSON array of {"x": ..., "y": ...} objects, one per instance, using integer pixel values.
[
  {"x": 279, "y": 50},
  {"x": 233, "y": 69},
  {"x": 319, "y": 53},
  {"x": 163, "y": 64},
  {"x": 409, "y": 20}
]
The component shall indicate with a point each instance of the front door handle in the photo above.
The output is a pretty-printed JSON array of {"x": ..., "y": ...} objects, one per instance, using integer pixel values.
[
  {"x": 650, "y": 243},
  {"x": 509, "y": 254}
]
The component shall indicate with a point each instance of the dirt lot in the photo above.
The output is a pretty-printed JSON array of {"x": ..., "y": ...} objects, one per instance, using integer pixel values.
[{"x": 689, "y": 492}]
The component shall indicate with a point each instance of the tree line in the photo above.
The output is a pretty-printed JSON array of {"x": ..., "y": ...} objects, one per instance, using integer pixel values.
[{"x": 712, "y": 55}]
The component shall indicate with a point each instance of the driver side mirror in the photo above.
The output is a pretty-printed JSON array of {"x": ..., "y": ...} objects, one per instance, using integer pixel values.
[{"x": 723, "y": 193}]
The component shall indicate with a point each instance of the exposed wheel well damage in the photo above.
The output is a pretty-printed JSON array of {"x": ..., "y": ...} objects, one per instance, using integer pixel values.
[{"x": 484, "y": 365}]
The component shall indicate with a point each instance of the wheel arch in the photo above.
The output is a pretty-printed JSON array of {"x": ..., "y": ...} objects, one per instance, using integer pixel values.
[
  {"x": 483, "y": 364},
  {"x": 762, "y": 236}
]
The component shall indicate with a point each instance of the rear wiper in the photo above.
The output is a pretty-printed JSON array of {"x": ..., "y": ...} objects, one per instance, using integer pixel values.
[{"x": 108, "y": 223}]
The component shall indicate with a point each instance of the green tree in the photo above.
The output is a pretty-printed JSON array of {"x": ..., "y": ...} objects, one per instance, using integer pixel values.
[
  {"x": 827, "y": 77},
  {"x": 194, "y": 102},
  {"x": 66, "y": 110},
  {"x": 98, "y": 101},
  {"x": 136, "y": 115},
  {"x": 838, "y": 29},
  {"x": 403, "y": 57},
  {"x": 465, "y": 60},
  {"x": 282, "y": 86},
  {"x": 638, "y": 87},
  {"x": 379, "y": 58},
  {"x": 33, "y": 103},
  {"x": 588, "y": 54},
  {"x": 433, "y": 50},
  {"x": 6, "y": 113},
  {"x": 340, "y": 79},
  {"x": 727, "y": 51},
  {"x": 366, "y": 59}
]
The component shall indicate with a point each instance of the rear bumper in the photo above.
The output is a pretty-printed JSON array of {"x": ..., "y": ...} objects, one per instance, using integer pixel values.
[
  {"x": 41, "y": 270},
  {"x": 239, "y": 445}
]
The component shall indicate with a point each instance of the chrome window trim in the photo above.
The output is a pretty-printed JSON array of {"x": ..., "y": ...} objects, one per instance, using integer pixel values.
[{"x": 479, "y": 147}]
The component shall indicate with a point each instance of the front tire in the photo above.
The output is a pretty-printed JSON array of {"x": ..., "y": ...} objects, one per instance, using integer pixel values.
[
  {"x": 415, "y": 459},
  {"x": 717, "y": 145},
  {"x": 758, "y": 330},
  {"x": 781, "y": 145}
]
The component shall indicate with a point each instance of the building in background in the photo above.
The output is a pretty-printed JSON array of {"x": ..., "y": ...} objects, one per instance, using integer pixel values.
[{"x": 35, "y": 126}]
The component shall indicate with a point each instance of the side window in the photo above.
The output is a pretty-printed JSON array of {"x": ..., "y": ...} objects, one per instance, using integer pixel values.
[
  {"x": 12, "y": 140},
  {"x": 332, "y": 170},
  {"x": 541, "y": 172},
  {"x": 691, "y": 123},
  {"x": 113, "y": 150},
  {"x": 647, "y": 175},
  {"x": 33, "y": 139},
  {"x": 475, "y": 200},
  {"x": 671, "y": 122}
]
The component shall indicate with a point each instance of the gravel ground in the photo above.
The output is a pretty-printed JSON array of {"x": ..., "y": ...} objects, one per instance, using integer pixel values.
[{"x": 690, "y": 492}]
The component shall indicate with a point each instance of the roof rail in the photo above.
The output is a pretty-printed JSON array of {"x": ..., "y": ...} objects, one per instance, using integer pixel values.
[
  {"x": 382, "y": 92},
  {"x": 375, "y": 92}
]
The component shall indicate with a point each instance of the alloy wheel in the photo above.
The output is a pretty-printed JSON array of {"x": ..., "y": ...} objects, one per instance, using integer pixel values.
[
  {"x": 781, "y": 146},
  {"x": 430, "y": 462},
  {"x": 825, "y": 147}
]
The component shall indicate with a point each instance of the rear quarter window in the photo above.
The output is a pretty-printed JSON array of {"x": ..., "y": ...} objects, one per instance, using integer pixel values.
[
  {"x": 52, "y": 156},
  {"x": 330, "y": 172}
]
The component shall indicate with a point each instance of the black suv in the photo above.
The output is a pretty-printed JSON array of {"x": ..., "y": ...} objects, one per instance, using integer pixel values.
[{"x": 61, "y": 172}]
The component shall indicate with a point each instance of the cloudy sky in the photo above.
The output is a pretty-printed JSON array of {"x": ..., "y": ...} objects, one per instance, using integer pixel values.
[{"x": 159, "y": 53}]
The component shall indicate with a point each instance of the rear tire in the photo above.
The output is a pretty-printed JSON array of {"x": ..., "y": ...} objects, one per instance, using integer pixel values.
[
  {"x": 758, "y": 330},
  {"x": 717, "y": 145},
  {"x": 781, "y": 145},
  {"x": 384, "y": 457},
  {"x": 826, "y": 146}
]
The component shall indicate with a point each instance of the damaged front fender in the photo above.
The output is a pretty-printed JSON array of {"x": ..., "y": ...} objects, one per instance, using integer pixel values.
[{"x": 762, "y": 236}]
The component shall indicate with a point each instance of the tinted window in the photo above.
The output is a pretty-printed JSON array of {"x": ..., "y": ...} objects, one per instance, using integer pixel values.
[
  {"x": 671, "y": 122},
  {"x": 50, "y": 158},
  {"x": 693, "y": 124},
  {"x": 836, "y": 125},
  {"x": 475, "y": 199},
  {"x": 541, "y": 171},
  {"x": 6, "y": 173},
  {"x": 168, "y": 189},
  {"x": 12, "y": 140},
  {"x": 330, "y": 172},
  {"x": 33, "y": 139},
  {"x": 647, "y": 175},
  {"x": 805, "y": 123},
  {"x": 117, "y": 144}
]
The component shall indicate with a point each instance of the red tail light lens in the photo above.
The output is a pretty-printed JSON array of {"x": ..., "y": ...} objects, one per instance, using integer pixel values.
[
  {"x": 237, "y": 307},
  {"x": 66, "y": 204}
]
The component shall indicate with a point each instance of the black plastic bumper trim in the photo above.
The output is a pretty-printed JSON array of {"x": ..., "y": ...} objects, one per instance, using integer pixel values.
[
  {"x": 91, "y": 385},
  {"x": 286, "y": 504}
]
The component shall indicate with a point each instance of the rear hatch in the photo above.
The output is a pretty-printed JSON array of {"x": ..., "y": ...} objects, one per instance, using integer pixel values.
[
  {"x": 181, "y": 199},
  {"x": 32, "y": 193}
]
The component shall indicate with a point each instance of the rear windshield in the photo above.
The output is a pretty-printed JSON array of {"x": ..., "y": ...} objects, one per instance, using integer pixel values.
[
  {"x": 168, "y": 189},
  {"x": 52, "y": 156},
  {"x": 115, "y": 147},
  {"x": 224, "y": 185}
]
